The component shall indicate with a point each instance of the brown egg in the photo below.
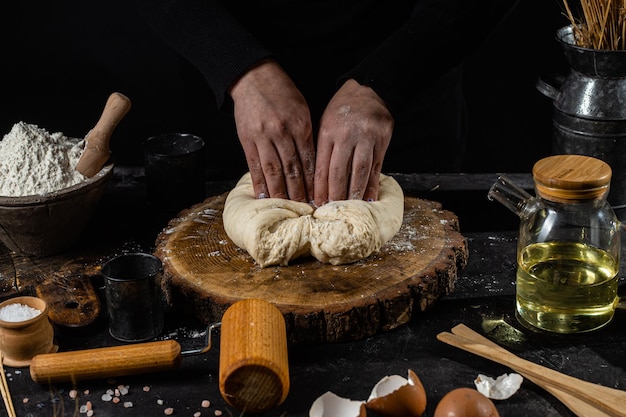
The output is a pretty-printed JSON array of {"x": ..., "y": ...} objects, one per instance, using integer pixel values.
[
  {"x": 465, "y": 402},
  {"x": 398, "y": 397}
]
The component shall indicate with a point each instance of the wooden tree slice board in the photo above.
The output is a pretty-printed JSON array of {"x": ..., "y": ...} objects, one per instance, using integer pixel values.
[{"x": 205, "y": 272}]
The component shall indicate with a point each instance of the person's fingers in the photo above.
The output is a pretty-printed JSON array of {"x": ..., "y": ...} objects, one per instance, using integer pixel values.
[
  {"x": 278, "y": 172},
  {"x": 373, "y": 183},
  {"x": 256, "y": 172},
  {"x": 322, "y": 166},
  {"x": 296, "y": 157},
  {"x": 306, "y": 153},
  {"x": 274, "y": 126},
  {"x": 272, "y": 170},
  {"x": 339, "y": 175},
  {"x": 354, "y": 134},
  {"x": 292, "y": 175},
  {"x": 360, "y": 174}
]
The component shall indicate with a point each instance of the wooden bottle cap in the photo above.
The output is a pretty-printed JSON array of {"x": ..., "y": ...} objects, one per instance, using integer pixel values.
[{"x": 569, "y": 178}]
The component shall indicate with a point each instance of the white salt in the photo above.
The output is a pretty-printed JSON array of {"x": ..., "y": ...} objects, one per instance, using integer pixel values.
[{"x": 18, "y": 312}]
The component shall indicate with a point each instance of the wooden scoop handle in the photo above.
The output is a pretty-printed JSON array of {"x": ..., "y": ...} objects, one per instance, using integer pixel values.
[
  {"x": 105, "y": 362},
  {"x": 96, "y": 151}
]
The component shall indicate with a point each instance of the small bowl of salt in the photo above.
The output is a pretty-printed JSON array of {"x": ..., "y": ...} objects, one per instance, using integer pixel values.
[{"x": 25, "y": 330}]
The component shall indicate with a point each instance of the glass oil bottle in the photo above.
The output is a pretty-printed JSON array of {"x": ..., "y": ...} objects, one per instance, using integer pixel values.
[{"x": 568, "y": 247}]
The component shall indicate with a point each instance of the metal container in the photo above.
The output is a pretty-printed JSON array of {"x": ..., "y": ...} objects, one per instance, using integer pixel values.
[
  {"x": 175, "y": 166},
  {"x": 589, "y": 109},
  {"x": 133, "y": 293}
]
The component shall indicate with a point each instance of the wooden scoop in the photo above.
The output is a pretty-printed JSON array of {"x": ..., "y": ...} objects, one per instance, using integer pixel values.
[
  {"x": 582, "y": 397},
  {"x": 96, "y": 152}
]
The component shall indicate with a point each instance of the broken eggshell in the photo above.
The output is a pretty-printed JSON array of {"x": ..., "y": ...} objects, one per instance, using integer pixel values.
[
  {"x": 396, "y": 396},
  {"x": 332, "y": 405},
  {"x": 392, "y": 396},
  {"x": 498, "y": 389}
]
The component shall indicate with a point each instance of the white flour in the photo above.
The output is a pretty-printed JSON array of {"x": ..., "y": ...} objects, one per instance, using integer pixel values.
[{"x": 33, "y": 161}]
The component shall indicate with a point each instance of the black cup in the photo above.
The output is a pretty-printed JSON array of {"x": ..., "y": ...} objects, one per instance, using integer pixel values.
[
  {"x": 175, "y": 165},
  {"x": 133, "y": 294}
]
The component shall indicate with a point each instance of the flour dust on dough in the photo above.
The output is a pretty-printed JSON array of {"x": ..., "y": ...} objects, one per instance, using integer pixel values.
[{"x": 274, "y": 231}]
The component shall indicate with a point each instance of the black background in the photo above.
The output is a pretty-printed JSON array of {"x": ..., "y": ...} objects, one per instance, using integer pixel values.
[{"x": 61, "y": 60}]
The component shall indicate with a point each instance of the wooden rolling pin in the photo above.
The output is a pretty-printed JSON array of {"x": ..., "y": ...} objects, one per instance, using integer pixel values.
[
  {"x": 254, "y": 369},
  {"x": 96, "y": 151}
]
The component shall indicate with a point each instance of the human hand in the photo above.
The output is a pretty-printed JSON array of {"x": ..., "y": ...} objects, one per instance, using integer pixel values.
[
  {"x": 274, "y": 127},
  {"x": 355, "y": 131}
]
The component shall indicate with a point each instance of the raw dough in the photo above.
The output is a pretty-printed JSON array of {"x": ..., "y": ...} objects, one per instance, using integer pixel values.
[{"x": 275, "y": 231}]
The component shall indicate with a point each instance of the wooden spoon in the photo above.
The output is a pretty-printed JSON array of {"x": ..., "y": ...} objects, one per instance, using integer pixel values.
[
  {"x": 576, "y": 405},
  {"x": 96, "y": 152},
  {"x": 588, "y": 396}
]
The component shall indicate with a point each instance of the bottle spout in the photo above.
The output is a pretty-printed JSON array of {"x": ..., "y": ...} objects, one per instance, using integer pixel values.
[{"x": 509, "y": 194}]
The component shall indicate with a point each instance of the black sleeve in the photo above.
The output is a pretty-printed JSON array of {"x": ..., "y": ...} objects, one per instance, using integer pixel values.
[
  {"x": 437, "y": 37},
  {"x": 205, "y": 34}
]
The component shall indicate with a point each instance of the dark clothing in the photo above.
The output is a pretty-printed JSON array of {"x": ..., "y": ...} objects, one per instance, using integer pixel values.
[{"x": 409, "y": 51}]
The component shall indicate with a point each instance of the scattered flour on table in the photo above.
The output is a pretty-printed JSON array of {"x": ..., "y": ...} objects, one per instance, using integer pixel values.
[{"x": 33, "y": 161}]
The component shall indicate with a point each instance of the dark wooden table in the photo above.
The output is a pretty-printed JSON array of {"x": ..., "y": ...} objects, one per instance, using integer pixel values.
[{"x": 483, "y": 299}]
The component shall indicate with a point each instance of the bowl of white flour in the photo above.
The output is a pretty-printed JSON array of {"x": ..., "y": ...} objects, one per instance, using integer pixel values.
[{"x": 45, "y": 204}]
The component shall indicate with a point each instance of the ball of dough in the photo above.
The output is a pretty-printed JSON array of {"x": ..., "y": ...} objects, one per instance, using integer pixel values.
[{"x": 275, "y": 231}]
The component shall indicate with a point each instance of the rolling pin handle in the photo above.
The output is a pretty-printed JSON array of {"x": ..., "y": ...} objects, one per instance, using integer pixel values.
[{"x": 73, "y": 366}]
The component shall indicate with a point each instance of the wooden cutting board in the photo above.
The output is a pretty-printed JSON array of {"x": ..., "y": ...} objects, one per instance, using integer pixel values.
[
  {"x": 63, "y": 281},
  {"x": 205, "y": 272}
]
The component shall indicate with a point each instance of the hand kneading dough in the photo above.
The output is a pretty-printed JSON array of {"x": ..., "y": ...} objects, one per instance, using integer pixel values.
[{"x": 274, "y": 231}]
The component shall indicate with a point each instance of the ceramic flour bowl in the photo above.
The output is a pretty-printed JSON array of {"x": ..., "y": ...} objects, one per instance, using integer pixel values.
[
  {"x": 22, "y": 334},
  {"x": 48, "y": 224}
]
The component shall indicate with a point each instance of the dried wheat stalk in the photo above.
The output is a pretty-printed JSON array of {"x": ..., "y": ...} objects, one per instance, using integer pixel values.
[{"x": 602, "y": 26}]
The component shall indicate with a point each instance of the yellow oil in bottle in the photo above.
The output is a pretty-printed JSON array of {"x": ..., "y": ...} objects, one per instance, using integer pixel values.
[{"x": 566, "y": 287}]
